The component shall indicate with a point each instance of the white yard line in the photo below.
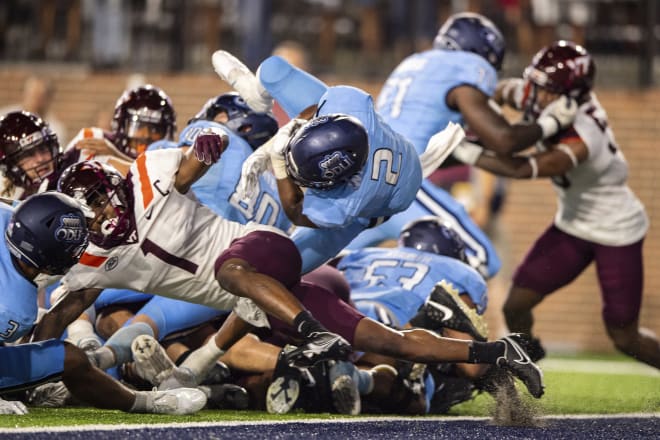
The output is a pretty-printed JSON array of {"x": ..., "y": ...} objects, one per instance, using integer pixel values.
[{"x": 596, "y": 366}]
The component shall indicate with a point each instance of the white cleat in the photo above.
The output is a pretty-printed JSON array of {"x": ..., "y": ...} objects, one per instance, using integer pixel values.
[
  {"x": 241, "y": 79},
  {"x": 345, "y": 395},
  {"x": 282, "y": 395},
  {"x": 180, "y": 401},
  {"x": 151, "y": 361}
]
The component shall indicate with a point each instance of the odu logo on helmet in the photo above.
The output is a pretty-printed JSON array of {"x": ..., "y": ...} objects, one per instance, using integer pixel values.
[
  {"x": 70, "y": 229},
  {"x": 335, "y": 164}
]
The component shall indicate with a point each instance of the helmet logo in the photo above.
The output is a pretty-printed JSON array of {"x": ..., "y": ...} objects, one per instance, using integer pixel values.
[
  {"x": 70, "y": 230},
  {"x": 579, "y": 64},
  {"x": 30, "y": 140},
  {"x": 335, "y": 165}
]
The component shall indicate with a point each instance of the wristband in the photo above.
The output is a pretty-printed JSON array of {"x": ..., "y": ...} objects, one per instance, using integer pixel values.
[
  {"x": 279, "y": 167},
  {"x": 549, "y": 125},
  {"x": 467, "y": 152},
  {"x": 535, "y": 167}
]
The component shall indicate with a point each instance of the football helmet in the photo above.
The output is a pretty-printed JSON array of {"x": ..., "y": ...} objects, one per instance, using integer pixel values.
[
  {"x": 327, "y": 151},
  {"x": 97, "y": 185},
  {"x": 475, "y": 33},
  {"x": 48, "y": 231},
  {"x": 142, "y": 115},
  {"x": 23, "y": 134},
  {"x": 564, "y": 68},
  {"x": 256, "y": 128},
  {"x": 431, "y": 234}
]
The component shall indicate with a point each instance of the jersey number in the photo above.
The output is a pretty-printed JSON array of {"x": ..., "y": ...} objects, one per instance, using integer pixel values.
[
  {"x": 395, "y": 88},
  {"x": 414, "y": 272},
  {"x": 385, "y": 155},
  {"x": 13, "y": 326},
  {"x": 149, "y": 247}
]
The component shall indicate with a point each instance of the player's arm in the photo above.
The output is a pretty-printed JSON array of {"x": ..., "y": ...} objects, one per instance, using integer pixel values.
[
  {"x": 556, "y": 161},
  {"x": 205, "y": 151},
  {"x": 68, "y": 307},
  {"x": 495, "y": 131}
]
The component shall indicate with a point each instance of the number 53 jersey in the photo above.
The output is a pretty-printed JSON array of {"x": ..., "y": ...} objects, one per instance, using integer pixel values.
[{"x": 176, "y": 244}]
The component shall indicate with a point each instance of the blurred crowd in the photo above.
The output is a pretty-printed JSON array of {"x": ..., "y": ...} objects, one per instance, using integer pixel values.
[{"x": 371, "y": 35}]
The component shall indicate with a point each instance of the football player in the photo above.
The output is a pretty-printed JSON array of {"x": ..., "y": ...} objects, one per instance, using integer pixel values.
[
  {"x": 344, "y": 155},
  {"x": 599, "y": 218},
  {"x": 47, "y": 233},
  {"x": 148, "y": 236},
  {"x": 453, "y": 81}
]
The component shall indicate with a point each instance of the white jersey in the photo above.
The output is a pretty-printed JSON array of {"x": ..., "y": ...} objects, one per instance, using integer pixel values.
[
  {"x": 595, "y": 203},
  {"x": 178, "y": 241},
  {"x": 92, "y": 133}
]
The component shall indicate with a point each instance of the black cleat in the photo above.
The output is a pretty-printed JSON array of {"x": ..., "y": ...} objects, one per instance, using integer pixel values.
[
  {"x": 226, "y": 396},
  {"x": 322, "y": 346},
  {"x": 516, "y": 360},
  {"x": 446, "y": 309}
]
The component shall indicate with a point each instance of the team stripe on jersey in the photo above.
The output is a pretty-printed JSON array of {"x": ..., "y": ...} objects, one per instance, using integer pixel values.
[
  {"x": 145, "y": 183},
  {"x": 92, "y": 260},
  {"x": 88, "y": 133}
]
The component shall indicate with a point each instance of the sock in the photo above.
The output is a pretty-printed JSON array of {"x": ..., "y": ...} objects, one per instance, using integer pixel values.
[
  {"x": 103, "y": 358},
  {"x": 121, "y": 341},
  {"x": 485, "y": 352},
  {"x": 81, "y": 329},
  {"x": 305, "y": 324},
  {"x": 200, "y": 361},
  {"x": 365, "y": 381},
  {"x": 141, "y": 403}
]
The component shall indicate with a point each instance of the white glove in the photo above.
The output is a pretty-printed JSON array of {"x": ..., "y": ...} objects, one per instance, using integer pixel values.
[
  {"x": 557, "y": 115},
  {"x": 468, "y": 152},
  {"x": 49, "y": 395},
  {"x": 279, "y": 144},
  {"x": 248, "y": 187},
  {"x": 12, "y": 407},
  {"x": 439, "y": 147},
  {"x": 513, "y": 91}
]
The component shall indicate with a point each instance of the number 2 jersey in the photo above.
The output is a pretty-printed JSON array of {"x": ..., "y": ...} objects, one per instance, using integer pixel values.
[
  {"x": 595, "y": 203},
  {"x": 178, "y": 241}
]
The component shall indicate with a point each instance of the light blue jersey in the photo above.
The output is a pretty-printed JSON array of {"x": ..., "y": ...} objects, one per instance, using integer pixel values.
[
  {"x": 401, "y": 279},
  {"x": 216, "y": 189},
  {"x": 387, "y": 184},
  {"x": 18, "y": 295},
  {"x": 413, "y": 102}
]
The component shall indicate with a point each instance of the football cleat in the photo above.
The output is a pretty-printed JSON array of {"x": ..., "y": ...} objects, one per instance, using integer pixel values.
[
  {"x": 343, "y": 388},
  {"x": 241, "y": 79},
  {"x": 282, "y": 394},
  {"x": 154, "y": 365},
  {"x": 516, "y": 360},
  {"x": 445, "y": 309},
  {"x": 226, "y": 396},
  {"x": 321, "y": 346},
  {"x": 49, "y": 395},
  {"x": 180, "y": 401}
]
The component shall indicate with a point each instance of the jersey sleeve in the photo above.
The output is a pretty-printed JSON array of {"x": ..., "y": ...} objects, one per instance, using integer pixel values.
[
  {"x": 477, "y": 72},
  {"x": 152, "y": 176}
]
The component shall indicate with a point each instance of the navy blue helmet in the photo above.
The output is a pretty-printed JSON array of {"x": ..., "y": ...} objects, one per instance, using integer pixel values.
[
  {"x": 472, "y": 33},
  {"x": 431, "y": 234},
  {"x": 327, "y": 151},
  {"x": 256, "y": 128},
  {"x": 48, "y": 231}
]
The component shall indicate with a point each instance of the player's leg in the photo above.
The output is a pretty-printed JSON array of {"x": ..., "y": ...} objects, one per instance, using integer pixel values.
[
  {"x": 554, "y": 261},
  {"x": 620, "y": 274}
]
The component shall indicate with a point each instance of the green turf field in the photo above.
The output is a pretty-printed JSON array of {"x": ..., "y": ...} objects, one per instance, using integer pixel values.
[{"x": 614, "y": 385}]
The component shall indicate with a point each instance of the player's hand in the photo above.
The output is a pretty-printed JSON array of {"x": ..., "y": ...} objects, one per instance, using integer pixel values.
[
  {"x": 209, "y": 145},
  {"x": 280, "y": 142},
  {"x": 12, "y": 407},
  {"x": 557, "y": 115},
  {"x": 254, "y": 165}
]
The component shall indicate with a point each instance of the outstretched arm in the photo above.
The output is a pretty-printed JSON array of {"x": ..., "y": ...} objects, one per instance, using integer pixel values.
[
  {"x": 206, "y": 151},
  {"x": 68, "y": 307}
]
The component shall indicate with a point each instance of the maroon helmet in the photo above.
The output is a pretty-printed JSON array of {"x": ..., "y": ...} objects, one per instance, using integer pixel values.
[
  {"x": 22, "y": 134},
  {"x": 95, "y": 185},
  {"x": 564, "y": 68},
  {"x": 143, "y": 115}
]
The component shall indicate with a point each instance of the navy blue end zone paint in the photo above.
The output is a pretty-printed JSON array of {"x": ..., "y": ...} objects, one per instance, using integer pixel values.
[{"x": 583, "y": 429}]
